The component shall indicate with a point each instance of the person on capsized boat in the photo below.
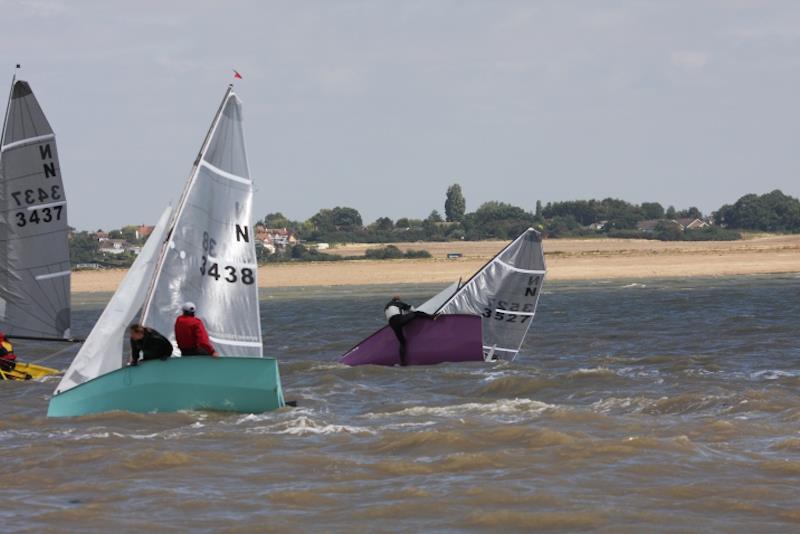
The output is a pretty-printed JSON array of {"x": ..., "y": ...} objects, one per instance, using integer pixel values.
[
  {"x": 7, "y": 356},
  {"x": 191, "y": 335},
  {"x": 148, "y": 344},
  {"x": 399, "y": 314}
]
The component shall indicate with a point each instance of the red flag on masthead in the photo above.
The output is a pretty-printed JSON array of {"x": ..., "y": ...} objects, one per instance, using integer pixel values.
[{"x": 236, "y": 74}]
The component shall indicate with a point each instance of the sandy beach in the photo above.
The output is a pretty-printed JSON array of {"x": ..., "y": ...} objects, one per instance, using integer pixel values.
[{"x": 567, "y": 259}]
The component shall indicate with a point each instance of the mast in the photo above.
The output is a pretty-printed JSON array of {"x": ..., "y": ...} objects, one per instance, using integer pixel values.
[
  {"x": 8, "y": 105},
  {"x": 181, "y": 204}
]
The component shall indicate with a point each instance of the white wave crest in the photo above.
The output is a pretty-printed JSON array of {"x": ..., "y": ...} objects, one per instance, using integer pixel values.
[{"x": 500, "y": 407}]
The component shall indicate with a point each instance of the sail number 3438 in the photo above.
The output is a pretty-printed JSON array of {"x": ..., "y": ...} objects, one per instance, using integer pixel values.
[
  {"x": 232, "y": 274},
  {"x": 229, "y": 273}
]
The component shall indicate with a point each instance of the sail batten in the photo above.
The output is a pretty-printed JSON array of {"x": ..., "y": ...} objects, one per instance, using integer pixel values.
[{"x": 34, "y": 249}]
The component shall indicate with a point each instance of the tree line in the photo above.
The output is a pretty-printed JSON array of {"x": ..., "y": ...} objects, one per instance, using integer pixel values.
[
  {"x": 771, "y": 212},
  {"x": 612, "y": 217}
]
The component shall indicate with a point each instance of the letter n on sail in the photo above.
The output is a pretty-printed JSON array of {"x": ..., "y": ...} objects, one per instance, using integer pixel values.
[{"x": 243, "y": 233}]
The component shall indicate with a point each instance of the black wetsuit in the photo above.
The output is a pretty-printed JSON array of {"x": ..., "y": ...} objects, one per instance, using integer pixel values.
[
  {"x": 398, "y": 321},
  {"x": 153, "y": 346}
]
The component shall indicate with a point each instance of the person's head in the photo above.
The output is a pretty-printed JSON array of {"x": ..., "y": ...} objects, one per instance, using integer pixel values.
[
  {"x": 137, "y": 332},
  {"x": 396, "y": 297},
  {"x": 2, "y": 336},
  {"x": 188, "y": 308}
]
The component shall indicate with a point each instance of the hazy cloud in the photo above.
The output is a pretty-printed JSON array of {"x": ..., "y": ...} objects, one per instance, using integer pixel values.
[{"x": 381, "y": 105}]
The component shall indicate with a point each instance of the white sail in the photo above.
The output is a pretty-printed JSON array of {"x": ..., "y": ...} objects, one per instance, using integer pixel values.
[
  {"x": 505, "y": 293},
  {"x": 34, "y": 250},
  {"x": 104, "y": 349},
  {"x": 431, "y": 305},
  {"x": 210, "y": 256}
]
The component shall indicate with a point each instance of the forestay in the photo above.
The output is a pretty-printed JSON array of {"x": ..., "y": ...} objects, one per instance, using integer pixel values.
[
  {"x": 505, "y": 293},
  {"x": 34, "y": 251},
  {"x": 104, "y": 350},
  {"x": 210, "y": 256}
]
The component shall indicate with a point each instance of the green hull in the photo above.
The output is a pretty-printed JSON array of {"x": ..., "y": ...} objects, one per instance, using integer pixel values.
[{"x": 246, "y": 385}]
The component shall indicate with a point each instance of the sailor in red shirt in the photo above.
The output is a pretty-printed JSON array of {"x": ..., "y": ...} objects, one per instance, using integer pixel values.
[{"x": 191, "y": 335}]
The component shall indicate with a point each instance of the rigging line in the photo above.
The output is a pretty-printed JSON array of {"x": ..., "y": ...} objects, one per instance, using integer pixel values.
[{"x": 50, "y": 357}]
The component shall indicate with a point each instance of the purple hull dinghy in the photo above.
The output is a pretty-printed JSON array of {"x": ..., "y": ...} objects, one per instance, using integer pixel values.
[{"x": 450, "y": 338}]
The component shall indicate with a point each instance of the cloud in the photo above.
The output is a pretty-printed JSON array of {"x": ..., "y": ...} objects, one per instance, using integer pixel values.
[{"x": 689, "y": 60}]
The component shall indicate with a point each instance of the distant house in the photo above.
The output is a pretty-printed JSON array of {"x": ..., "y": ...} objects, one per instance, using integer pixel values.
[
  {"x": 281, "y": 237},
  {"x": 118, "y": 246},
  {"x": 112, "y": 246},
  {"x": 101, "y": 235},
  {"x": 274, "y": 237},
  {"x": 651, "y": 225},
  {"x": 648, "y": 226},
  {"x": 88, "y": 266},
  {"x": 689, "y": 223},
  {"x": 598, "y": 226},
  {"x": 143, "y": 231}
]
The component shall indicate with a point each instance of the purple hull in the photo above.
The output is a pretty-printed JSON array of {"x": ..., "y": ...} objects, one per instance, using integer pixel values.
[{"x": 450, "y": 338}]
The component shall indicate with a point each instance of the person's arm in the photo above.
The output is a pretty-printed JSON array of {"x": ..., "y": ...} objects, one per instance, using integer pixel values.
[
  {"x": 134, "y": 354},
  {"x": 202, "y": 339}
]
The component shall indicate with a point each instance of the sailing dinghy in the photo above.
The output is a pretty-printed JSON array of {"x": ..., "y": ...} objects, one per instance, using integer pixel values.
[
  {"x": 34, "y": 247},
  {"x": 204, "y": 253},
  {"x": 484, "y": 319}
]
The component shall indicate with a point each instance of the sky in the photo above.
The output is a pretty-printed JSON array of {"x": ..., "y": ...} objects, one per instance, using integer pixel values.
[{"x": 381, "y": 105}]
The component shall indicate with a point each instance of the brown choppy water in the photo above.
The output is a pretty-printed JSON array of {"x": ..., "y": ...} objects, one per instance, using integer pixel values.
[{"x": 650, "y": 406}]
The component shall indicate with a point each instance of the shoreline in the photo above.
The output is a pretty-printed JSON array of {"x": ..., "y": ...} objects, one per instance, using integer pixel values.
[{"x": 567, "y": 259}]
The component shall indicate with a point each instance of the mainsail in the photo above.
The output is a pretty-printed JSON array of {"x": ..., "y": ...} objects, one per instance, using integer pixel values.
[
  {"x": 505, "y": 293},
  {"x": 104, "y": 349},
  {"x": 210, "y": 257},
  {"x": 34, "y": 250}
]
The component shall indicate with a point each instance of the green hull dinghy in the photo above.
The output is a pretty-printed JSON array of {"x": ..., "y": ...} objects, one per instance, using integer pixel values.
[{"x": 247, "y": 385}]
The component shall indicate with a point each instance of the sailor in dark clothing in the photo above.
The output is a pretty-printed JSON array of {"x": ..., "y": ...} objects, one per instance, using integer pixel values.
[
  {"x": 148, "y": 344},
  {"x": 399, "y": 314}
]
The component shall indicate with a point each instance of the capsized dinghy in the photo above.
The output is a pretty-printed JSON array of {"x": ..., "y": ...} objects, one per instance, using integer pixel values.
[
  {"x": 34, "y": 248},
  {"x": 203, "y": 253},
  {"x": 501, "y": 298}
]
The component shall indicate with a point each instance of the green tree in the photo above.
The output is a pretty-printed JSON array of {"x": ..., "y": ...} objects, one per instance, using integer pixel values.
[
  {"x": 384, "y": 224},
  {"x": 276, "y": 220},
  {"x": 772, "y": 212},
  {"x": 691, "y": 213},
  {"x": 652, "y": 210},
  {"x": 455, "y": 206},
  {"x": 434, "y": 217},
  {"x": 403, "y": 222},
  {"x": 346, "y": 218},
  {"x": 538, "y": 209},
  {"x": 670, "y": 213},
  {"x": 83, "y": 248}
]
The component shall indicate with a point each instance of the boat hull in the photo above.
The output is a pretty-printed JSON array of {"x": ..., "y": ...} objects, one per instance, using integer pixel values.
[
  {"x": 28, "y": 371},
  {"x": 246, "y": 385},
  {"x": 449, "y": 338}
]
